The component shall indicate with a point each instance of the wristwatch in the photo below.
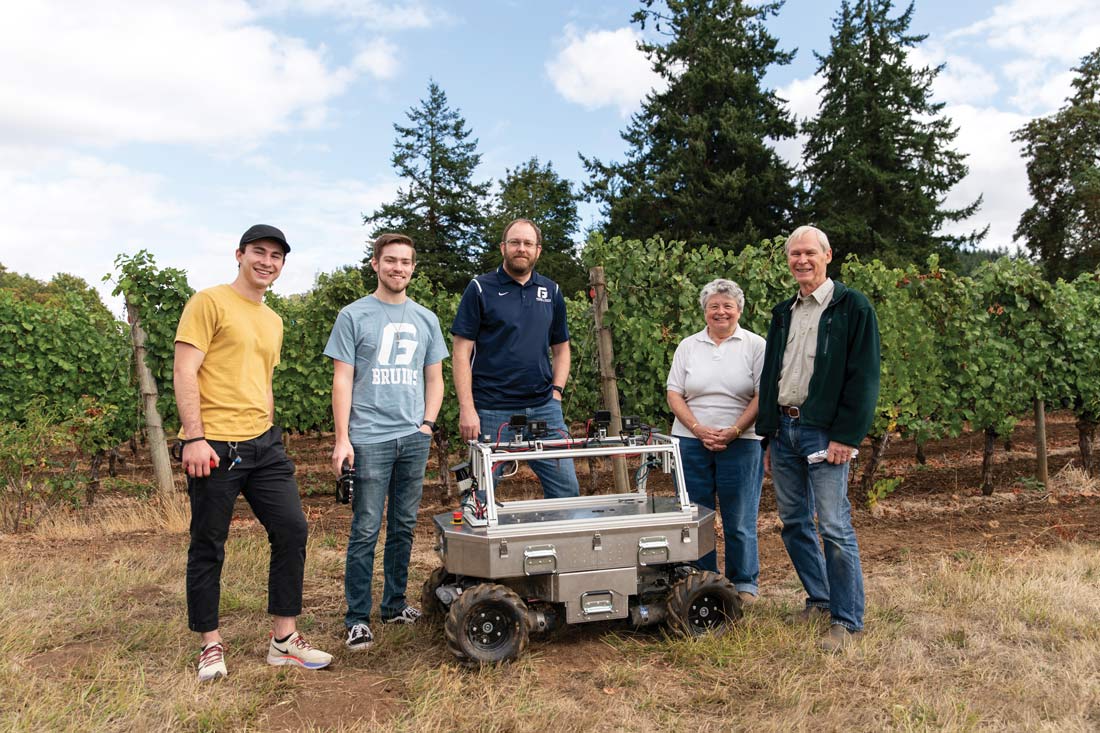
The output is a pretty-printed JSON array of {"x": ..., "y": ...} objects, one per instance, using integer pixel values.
[
  {"x": 430, "y": 424},
  {"x": 559, "y": 390}
]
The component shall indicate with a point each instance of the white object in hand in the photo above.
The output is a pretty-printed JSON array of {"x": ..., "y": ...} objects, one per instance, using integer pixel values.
[{"x": 821, "y": 455}]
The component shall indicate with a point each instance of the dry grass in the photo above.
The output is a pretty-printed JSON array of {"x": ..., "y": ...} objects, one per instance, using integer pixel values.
[
  {"x": 119, "y": 515},
  {"x": 92, "y": 637},
  {"x": 1074, "y": 480}
]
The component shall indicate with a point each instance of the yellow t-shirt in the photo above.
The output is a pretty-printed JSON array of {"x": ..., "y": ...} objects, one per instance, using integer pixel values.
[{"x": 242, "y": 340}]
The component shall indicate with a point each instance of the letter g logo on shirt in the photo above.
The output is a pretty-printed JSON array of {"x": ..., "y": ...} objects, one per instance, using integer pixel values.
[{"x": 394, "y": 350}]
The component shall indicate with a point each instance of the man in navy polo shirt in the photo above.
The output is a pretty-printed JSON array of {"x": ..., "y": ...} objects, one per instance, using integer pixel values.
[{"x": 508, "y": 325}]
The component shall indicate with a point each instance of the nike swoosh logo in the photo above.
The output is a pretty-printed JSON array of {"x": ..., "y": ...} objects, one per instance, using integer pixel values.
[
  {"x": 281, "y": 650},
  {"x": 504, "y": 293}
]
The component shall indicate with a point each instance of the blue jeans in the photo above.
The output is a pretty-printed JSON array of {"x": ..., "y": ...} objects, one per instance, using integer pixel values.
[
  {"x": 732, "y": 478},
  {"x": 558, "y": 476},
  {"x": 393, "y": 469},
  {"x": 833, "y": 579}
]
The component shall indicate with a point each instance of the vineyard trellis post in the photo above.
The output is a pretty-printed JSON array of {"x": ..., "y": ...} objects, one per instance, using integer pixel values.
[
  {"x": 158, "y": 445},
  {"x": 609, "y": 389},
  {"x": 1041, "y": 442}
]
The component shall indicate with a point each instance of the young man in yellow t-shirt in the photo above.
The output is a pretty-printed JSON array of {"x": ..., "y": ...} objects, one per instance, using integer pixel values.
[{"x": 227, "y": 346}]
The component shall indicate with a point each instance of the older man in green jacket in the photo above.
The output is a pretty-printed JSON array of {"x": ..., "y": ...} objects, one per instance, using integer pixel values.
[{"x": 818, "y": 393}]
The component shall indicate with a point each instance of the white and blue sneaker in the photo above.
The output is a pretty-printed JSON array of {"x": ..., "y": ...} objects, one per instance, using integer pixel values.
[
  {"x": 408, "y": 615},
  {"x": 297, "y": 651}
]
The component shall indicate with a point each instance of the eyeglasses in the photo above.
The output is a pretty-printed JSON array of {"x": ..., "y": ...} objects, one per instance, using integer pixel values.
[{"x": 521, "y": 244}]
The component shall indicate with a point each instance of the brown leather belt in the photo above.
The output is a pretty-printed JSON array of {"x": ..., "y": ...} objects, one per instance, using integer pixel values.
[{"x": 790, "y": 411}]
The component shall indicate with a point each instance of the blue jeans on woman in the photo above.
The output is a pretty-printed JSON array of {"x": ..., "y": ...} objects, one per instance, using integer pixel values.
[
  {"x": 730, "y": 478},
  {"x": 394, "y": 470},
  {"x": 558, "y": 476},
  {"x": 833, "y": 579}
]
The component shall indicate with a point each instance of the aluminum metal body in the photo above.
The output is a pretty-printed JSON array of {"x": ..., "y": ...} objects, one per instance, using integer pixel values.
[{"x": 590, "y": 553}]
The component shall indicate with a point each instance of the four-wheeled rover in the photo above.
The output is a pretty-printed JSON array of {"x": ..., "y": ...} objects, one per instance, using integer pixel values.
[{"x": 510, "y": 568}]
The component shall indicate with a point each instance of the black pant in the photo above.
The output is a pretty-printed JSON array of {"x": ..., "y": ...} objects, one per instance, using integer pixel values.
[{"x": 266, "y": 477}]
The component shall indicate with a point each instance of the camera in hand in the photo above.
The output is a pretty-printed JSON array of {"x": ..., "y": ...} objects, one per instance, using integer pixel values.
[{"x": 345, "y": 485}]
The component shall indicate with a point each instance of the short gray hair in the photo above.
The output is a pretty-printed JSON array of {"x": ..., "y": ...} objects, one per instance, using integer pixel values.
[
  {"x": 725, "y": 287},
  {"x": 801, "y": 231}
]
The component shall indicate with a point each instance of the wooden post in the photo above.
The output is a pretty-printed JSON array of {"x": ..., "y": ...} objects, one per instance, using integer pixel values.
[
  {"x": 1041, "y": 442},
  {"x": 609, "y": 389},
  {"x": 158, "y": 446}
]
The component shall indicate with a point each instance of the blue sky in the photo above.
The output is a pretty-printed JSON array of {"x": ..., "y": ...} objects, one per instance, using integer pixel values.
[{"x": 173, "y": 126}]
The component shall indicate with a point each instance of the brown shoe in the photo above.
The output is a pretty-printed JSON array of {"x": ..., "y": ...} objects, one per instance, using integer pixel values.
[
  {"x": 837, "y": 638},
  {"x": 810, "y": 616},
  {"x": 747, "y": 599}
]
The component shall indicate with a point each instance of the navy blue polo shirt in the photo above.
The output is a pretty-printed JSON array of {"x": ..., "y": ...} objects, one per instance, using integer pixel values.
[{"x": 512, "y": 327}]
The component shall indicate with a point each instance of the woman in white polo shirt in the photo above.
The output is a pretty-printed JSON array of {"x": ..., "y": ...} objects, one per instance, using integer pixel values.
[{"x": 712, "y": 390}]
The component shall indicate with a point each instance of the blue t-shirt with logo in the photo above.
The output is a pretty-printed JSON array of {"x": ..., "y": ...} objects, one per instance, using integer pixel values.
[
  {"x": 388, "y": 345},
  {"x": 513, "y": 327}
]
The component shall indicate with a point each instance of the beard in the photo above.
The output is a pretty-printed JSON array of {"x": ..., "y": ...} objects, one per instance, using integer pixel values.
[{"x": 519, "y": 265}]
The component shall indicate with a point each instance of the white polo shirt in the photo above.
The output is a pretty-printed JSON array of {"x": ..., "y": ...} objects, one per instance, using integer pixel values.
[{"x": 717, "y": 380}]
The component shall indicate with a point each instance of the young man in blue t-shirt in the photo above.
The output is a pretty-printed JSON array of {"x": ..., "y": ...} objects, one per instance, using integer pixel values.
[
  {"x": 387, "y": 387},
  {"x": 508, "y": 325}
]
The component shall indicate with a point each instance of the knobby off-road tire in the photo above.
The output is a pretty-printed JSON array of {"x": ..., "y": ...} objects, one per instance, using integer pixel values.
[
  {"x": 488, "y": 623},
  {"x": 703, "y": 603},
  {"x": 430, "y": 604}
]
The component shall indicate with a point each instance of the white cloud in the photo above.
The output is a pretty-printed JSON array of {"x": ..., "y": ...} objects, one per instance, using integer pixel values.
[
  {"x": 66, "y": 212},
  {"x": 603, "y": 68},
  {"x": 803, "y": 96},
  {"x": 321, "y": 216},
  {"x": 961, "y": 81},
  {"x": 379, "y": 59},
  {"x": 1064, "y": 30},
  {"x": 393, "y": 16},
  {"x": 804, "y": 102},
  {"x": 1040, "y": 88},
  {"x": 198, "y": 72},
  {"x": 63, "y": 212},
  {"x": 996, "y": 171},
  {"x": 1045, "y": 40}
]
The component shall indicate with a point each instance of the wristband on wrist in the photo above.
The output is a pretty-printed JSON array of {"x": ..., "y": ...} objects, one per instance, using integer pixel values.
[
  {"x": 430, "y": 424},
  {"x": 192, "y": 440},
  {"x": 559, "y": 390},
  {"x": 693, "y": 426},
  {"x": 738, "y": 432}
]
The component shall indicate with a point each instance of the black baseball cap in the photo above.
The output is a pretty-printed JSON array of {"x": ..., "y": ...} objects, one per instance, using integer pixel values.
[{"x": 256, "y": 232}]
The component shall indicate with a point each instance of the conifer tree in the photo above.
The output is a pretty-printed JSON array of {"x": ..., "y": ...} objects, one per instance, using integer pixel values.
[
  {"x": 1062, "y": 228},
  {"x": 878, "y": 158},
  {"x": 698, "y": 167},
  {"x": 439, "y": 205}
]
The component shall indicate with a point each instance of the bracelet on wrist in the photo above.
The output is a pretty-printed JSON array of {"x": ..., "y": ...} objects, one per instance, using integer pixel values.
[{"x": 185, "y": 441}]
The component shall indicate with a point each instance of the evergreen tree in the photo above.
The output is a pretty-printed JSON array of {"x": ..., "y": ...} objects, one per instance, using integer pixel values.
[
  {"x": 1062, "y": 228},
  {"x": 538, "y": 193},
  {"x": 698, "y": 168},
  {"x": 440, "y": 205},
  {"x": 878, "y": 159}
]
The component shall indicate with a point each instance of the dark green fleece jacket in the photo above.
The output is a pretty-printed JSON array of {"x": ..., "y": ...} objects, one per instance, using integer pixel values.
[{"x": 844, "y": 386}]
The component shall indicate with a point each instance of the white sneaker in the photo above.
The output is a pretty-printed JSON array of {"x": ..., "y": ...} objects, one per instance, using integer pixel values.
[
  {"x": 212, "y": 662},
  {"x": 359, "y": 638},
  {"x": 296, "y": 650}
]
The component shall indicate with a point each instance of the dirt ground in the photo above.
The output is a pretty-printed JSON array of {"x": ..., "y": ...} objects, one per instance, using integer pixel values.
[{"x": 937, "y": 510}]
